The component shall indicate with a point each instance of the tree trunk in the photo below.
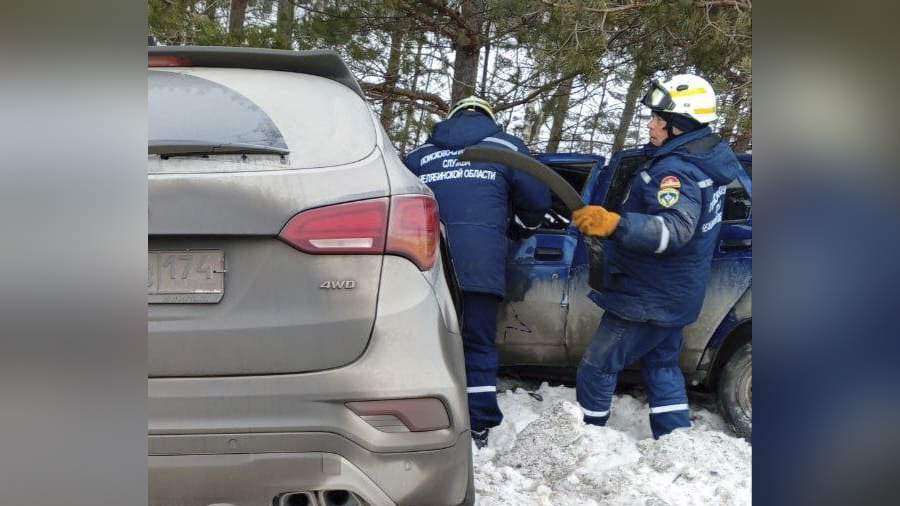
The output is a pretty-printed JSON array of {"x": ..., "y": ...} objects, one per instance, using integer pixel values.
[
  {"x": 636, "y": 130},
  {"x": 284, "y": 27},
  {"x": 209, "y": 9},
  {"x": 390, "y": 79},
  {"x": 195, "y": 11},
  {"x": 236, "y": 21},
  {"x": 575, "y": 137},
  {"x": 534, "y": 130},
  {"x": 631, "y": 98},
  {"x": 427, "y": 88},
  {"x": 560, "y": 110},
  {"x": 187, "y": 34},
  {"x": 468, "y": 48},
  {"x": 267, "y": 7},
  {"x": 487, "y": 57},
  {"x": 410, "y": 110},
  {"x": 600, "y": 113}
]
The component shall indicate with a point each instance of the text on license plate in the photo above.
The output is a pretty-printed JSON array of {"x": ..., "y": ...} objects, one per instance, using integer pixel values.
[{"x": 186, "y": 276}]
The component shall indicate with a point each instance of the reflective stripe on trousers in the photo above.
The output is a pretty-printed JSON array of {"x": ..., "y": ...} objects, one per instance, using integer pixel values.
[
  {"x": 618, "y": 343},
  {"x": 479, "y": 344}
]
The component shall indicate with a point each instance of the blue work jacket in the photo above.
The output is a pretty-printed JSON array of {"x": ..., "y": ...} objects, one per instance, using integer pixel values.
[
  {"x": 658, "y": 259},
  {"x": 476, "y": 200}
]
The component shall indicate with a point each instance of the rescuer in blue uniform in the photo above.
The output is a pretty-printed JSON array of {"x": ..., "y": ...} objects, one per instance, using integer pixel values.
[
  {"x": 658, "y": 254},
  {"x": 477, "y": 202}
]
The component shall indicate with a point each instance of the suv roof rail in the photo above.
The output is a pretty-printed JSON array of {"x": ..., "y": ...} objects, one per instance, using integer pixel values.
[{"x": 320, "y": 62}]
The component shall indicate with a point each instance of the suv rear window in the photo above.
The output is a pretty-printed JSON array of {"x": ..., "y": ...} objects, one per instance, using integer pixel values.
[{"x": 186, "y": 109}]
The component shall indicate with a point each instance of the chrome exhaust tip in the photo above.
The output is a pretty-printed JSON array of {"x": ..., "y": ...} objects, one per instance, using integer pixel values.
[
  {"x": 339, "y": 498},
  {"x": 297, "y": 499}
]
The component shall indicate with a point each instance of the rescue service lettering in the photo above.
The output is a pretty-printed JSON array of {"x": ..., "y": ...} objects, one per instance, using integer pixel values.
[
  {"x": 715, "y": 198},
  {"x": 453, "y": 162},
  {"x": 439, "y": 154},
  {"x": 715, "y": 206},
  {"x": 490, "y": 175},
  {"x": 711, "y": 223}
]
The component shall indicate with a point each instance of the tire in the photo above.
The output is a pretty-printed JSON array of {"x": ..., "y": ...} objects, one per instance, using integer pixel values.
[{"x": 735, "y": 391}]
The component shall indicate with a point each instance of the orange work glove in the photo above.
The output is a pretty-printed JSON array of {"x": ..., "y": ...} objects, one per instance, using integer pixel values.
[{"x": 596, "y": 221}]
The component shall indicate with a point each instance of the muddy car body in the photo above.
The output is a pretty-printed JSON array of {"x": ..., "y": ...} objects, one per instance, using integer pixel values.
[
  {"x": 547, "y": 320},
  {"x": 303, "y": 343}
]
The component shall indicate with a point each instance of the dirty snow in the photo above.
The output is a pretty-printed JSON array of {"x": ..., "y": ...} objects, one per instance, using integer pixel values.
[{"x": 543, "y": 454}]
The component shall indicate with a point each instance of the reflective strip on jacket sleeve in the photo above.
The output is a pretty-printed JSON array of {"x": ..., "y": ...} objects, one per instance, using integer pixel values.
[{"x": 660, "y": 229}]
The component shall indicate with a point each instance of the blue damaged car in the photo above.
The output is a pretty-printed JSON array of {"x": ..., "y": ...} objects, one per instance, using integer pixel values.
[{"x": 547, "y": 321}]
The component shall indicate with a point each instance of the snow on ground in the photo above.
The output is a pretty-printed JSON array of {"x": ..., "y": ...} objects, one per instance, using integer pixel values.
[{"x": 543, "y": 454}]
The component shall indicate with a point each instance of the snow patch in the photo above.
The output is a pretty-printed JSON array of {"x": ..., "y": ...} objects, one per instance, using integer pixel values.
[
  {"x": 543, "y": 454},
  {"x": 548, "y": 447}
]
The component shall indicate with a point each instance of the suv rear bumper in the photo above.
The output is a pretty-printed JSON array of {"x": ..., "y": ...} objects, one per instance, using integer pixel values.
[
  {"x": 261, "y": 467},
  {"x": 245, "y": 439}
]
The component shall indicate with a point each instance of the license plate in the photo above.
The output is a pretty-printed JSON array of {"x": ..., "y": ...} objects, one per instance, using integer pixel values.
[{"x": 186, "y": 277}]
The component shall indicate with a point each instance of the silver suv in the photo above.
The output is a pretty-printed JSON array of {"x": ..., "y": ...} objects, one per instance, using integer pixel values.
[{"x": 304, "y": 344}]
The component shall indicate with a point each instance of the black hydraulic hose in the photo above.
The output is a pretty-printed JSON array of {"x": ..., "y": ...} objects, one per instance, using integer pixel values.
[
  {"x": 514, "y": 160},
  {"x": 559, "y": 186}
]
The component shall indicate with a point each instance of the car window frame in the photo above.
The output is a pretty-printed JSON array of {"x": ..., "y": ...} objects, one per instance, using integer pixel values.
[{"x": 742, "y": 181}]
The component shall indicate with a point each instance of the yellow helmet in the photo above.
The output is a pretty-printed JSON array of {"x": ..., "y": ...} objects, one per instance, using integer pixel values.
[{"x": 472, "y": 102}]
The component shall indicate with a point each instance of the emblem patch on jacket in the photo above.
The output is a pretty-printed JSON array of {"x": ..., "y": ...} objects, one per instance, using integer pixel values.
[
  {"x": 668, "y": 197},
  {"x": 669, "y": 182}
]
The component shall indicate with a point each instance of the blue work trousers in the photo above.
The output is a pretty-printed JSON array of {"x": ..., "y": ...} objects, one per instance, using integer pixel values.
[
  {"x": 479, "y": 334},
  {"x": 618, "y": 343}
]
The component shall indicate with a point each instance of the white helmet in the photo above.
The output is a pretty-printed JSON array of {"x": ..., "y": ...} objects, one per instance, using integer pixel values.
[{"x": 684, "y": 94}]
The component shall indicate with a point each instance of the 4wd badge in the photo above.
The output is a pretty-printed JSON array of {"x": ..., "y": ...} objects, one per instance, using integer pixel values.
[{"x": 347, "y": 284}]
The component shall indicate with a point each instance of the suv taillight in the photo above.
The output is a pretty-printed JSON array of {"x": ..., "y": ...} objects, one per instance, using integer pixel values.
[
  {"x": 405, "y": 225},
  {"x": 413, "y": 229},
  {"x": 354, "y": 227}
]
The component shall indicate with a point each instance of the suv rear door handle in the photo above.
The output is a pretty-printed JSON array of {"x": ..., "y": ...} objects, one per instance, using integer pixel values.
[{"x": 548, "y": 254}]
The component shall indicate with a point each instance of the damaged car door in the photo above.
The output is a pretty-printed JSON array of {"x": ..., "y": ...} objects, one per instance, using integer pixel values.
[
  {"x": 606, "y": 186},
  {"x": 532, "y": 320}
]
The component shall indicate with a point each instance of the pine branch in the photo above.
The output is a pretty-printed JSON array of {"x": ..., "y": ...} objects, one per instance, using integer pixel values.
[
  {"x": 739, "y": 4},
  {"x": 604, "y": 10},
  {"x": 429, "y": 21},
  {"x": 444, "y": 9},
  {"x": 537, "y": 92},
  {"x": 381, "y": 90}
]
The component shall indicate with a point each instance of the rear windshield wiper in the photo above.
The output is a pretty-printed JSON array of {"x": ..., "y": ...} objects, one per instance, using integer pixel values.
[{"x": 187, "y": 148}]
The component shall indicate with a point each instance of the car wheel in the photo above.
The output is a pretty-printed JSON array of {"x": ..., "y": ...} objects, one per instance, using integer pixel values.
[{"x": 736, "y": 391}]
